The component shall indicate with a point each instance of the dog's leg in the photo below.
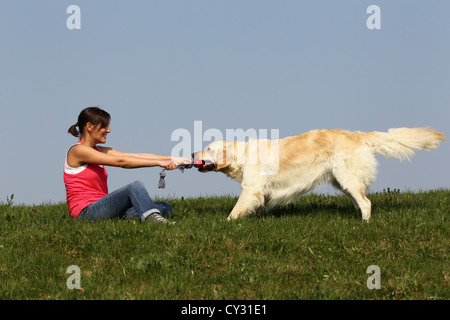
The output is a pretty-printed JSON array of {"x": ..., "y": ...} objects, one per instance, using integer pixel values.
[
  {"x": 354, "y": 173},
  {"x": 355, "y": 190},
  {"x": 355, "y": 203},
  {"x": 249, "y": 201},
  {"x": 338, "y": 186},
  {"x": 358, "y": 198},
  {"x": 357, "y": 195}
]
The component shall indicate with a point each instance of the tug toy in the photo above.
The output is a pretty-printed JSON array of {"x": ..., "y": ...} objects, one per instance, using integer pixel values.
[
  {"x": 182, "y": 166},
  {"x": 195, "y": 163}
]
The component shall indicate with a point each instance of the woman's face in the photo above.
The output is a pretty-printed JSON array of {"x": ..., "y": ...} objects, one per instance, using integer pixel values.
[{"x": 99, "y": 134}]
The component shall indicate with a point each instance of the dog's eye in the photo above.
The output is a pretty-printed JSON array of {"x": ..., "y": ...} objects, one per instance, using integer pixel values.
[{"x": 208, "y": 149}]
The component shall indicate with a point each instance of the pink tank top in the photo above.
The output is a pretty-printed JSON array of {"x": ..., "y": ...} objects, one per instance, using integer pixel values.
[{"x": 84, "y": 185}]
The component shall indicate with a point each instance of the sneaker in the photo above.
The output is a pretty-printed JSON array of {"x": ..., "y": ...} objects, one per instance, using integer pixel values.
[{"x": 156, "y": 217}]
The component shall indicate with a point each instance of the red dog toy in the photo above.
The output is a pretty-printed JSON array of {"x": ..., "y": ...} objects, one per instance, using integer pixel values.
[{"x": 195, "y": 163}]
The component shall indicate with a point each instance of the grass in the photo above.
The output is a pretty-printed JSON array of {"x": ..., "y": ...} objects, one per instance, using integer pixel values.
[{"x": 315, "y": 248}]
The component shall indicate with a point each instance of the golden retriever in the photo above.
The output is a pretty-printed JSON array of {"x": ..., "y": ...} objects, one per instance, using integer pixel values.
[{"x": 274, "y": 171}]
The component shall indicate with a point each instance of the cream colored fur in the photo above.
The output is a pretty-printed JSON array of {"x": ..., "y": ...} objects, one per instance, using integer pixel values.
[{"x": 277, "y": 171}]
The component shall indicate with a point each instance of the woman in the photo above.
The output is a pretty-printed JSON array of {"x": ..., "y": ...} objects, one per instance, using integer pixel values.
[{"x": 85, "y": 176}]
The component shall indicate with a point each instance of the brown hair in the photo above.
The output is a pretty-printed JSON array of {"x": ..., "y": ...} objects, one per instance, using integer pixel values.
[{"x": 94, "y": 115}]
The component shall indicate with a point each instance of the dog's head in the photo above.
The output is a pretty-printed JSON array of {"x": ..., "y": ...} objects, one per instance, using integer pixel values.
[{"x": 217, "y": 156}]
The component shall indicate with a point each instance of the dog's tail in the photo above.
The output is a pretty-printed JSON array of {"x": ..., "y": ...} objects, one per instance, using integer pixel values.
[{"x": 402, "y": 143}]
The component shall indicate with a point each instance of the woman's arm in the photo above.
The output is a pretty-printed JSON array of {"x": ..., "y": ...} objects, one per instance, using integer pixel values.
[
  {"x": 80, "y": 155},
  {"x": 115, "y": 152}
]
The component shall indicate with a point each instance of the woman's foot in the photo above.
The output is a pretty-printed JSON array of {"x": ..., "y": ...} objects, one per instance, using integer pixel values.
[{"x": 156, "y": 217}]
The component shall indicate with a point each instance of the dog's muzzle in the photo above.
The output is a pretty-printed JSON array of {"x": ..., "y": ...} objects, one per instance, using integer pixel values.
[{"x": 207, "y": 166}]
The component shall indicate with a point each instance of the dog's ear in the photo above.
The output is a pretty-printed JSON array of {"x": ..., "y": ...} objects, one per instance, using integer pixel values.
[{"x": 224, "y": 156}]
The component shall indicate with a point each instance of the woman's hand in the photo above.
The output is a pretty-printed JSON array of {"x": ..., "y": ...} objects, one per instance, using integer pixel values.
[
  {"x": 180, "y": 160},
  {"x": 170, "y": 164}
]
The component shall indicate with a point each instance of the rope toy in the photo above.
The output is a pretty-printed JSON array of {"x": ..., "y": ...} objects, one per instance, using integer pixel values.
[
  {"x": 162, "y": 182},
  {"x": 182, "y": 166}
]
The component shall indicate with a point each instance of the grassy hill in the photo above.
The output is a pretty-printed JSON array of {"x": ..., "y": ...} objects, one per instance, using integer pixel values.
[{"x": 315, "y": 248}]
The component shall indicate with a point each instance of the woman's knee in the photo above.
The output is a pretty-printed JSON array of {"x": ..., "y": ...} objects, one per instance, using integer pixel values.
[{"x": 137, "y": 185}]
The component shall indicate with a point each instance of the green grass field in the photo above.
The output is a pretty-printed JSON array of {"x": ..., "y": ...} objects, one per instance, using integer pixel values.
[{"x": 315, "y": 248}]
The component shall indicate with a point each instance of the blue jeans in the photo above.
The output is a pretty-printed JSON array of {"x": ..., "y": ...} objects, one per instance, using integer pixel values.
[{"x": 131, "y": 201}]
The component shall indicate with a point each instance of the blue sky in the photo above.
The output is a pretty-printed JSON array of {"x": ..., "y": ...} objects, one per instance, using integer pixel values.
[{"x": 158, "y": 66}]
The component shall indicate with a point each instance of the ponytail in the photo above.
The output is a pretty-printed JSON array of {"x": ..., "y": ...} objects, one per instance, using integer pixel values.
[{"x": 73, "y": 130}]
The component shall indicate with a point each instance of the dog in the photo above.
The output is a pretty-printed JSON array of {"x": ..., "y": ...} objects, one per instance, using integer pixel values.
[{"x": 279, "y": 171}]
